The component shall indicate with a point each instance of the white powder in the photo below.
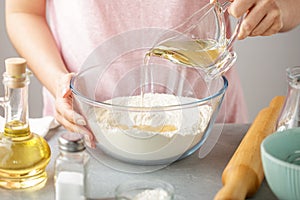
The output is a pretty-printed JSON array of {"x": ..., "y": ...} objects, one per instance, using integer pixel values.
[
  {"x": 69, "y": 186},
  {"x": 150, "y": 122},
  {"x": 150, "y": 136},
  {"x": 155, "y": 194}
]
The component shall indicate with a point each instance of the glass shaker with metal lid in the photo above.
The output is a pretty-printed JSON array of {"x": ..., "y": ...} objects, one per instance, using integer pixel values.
[{"x": 70, "y": 167}]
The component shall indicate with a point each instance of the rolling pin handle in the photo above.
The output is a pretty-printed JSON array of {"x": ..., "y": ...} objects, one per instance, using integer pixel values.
[{"x": 232, "y": 179}]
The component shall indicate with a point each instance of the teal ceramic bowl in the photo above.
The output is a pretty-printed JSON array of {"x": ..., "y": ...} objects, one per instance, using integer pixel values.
[{"x": 281, "y": 163}]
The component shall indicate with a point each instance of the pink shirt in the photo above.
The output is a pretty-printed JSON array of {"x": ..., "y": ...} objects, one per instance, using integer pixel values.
[{"x": 81, "y": 26}]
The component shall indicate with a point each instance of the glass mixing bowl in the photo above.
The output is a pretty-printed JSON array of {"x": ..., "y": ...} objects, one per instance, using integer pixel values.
[{"x": 147, "y": 114}]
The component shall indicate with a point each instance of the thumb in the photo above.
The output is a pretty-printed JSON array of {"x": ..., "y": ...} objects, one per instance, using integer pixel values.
[{"x": 63, "y": 86}]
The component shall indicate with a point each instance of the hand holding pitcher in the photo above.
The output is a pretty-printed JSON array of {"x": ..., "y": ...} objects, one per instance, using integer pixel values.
[{"x": 201, "y": 41}]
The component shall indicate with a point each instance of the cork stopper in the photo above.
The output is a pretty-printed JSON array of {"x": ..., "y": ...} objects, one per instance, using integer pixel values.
[
  {"x": 16, "y": 70},
  {"x": 15, "y": 66}
]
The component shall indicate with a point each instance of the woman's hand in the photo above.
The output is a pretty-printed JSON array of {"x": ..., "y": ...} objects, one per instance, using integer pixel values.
[
  {"x": 263, "y": 17},
  {"x": 65, "y": 114}
]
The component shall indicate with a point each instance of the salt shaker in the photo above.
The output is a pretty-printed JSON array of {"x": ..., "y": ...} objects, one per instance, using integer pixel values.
[
  {"x": 70, "y": 167},
  {"x": 290, "y": 114}
]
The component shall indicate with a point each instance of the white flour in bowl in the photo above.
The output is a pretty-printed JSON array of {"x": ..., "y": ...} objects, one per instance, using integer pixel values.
[
  {"x": 165, "y": 122},
  {"x": 153, "y": 194},
  {"x": 150, "y": 134}
]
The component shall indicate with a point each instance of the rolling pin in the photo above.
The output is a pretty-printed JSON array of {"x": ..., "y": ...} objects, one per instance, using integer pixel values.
[{"x": 243, "y": 174}]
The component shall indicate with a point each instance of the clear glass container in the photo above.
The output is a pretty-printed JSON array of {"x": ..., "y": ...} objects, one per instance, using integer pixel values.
[
  {"x": 144, "y": 190},
  {"x": 144, "y": 127},
  {"x": 70, "y": 167},
  {"x": 201, "y": 41},
  {"x": 23, "y": 155},
  {"x": 290, "y": 114}
]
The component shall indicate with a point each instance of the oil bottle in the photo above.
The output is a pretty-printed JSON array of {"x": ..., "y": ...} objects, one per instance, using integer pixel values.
[{"x": 23, "y": 155}]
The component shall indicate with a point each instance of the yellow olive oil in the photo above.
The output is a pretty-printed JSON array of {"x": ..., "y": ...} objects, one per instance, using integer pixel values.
[
  {"x": 194, "y": 53},
  {"x": 25, "y": 156}
]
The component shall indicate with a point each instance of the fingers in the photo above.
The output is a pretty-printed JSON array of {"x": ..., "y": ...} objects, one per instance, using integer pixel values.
[
  {"x": 271, "y": 24},
  {"x": 65, "y": 114},
  {"x": 64, "y": 108},
  {"x": 71, "y": 120},
  {"x": 239, "y": 7},
  {"x": 89, "y": 137},
  {"x": 263, "y": 17},
  {"x": 64, "y": 101}
]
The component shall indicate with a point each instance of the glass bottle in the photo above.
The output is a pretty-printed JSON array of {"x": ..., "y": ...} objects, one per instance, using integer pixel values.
[
  {"x": 23, "y": 155},
  {"x": 70, "y": 167},
  {"x": 290, "y": 113}
]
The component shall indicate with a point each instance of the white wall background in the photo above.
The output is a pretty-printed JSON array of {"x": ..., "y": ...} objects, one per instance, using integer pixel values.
[{"x": 261, "y": 64}]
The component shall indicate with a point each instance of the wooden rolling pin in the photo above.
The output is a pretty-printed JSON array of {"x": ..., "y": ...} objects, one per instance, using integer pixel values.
[{"x": 243, "y": 174}]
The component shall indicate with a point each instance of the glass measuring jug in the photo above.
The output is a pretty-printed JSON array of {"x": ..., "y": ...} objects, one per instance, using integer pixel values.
[{"x": 201, "y": 41}]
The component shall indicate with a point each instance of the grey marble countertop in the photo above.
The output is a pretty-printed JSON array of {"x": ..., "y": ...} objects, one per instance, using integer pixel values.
[{"x": 193, "y": 178}]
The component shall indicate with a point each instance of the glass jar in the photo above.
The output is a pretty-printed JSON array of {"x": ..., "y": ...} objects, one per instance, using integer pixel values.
[
  {"x": 144, "y": 190},
  {"x": 70, "y": 167},
  {"x": 290, "y": 114}
]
